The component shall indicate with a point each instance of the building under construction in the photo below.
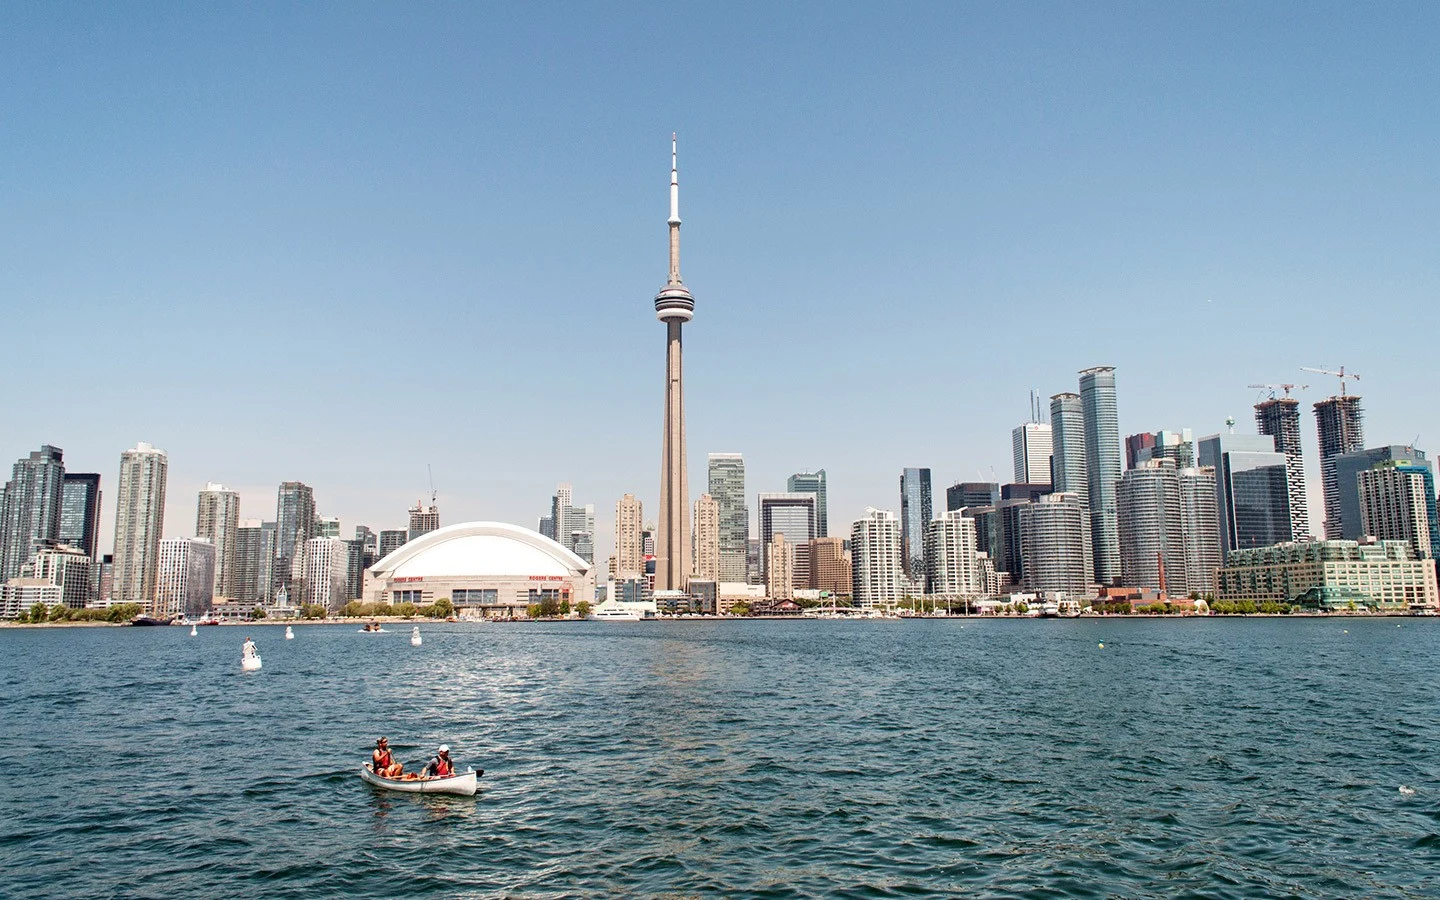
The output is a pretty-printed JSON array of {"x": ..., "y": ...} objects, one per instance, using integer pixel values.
[
  {"x": 1340, "y": 424},
  {"x": 1279, "y": 417}
]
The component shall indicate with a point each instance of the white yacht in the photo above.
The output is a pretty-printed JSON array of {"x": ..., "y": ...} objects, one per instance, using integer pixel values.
[{"x": 607, "y": 612}]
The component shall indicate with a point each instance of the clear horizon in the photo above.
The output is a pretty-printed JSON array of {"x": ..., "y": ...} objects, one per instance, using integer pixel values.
[{"x": 338, "y": 245}]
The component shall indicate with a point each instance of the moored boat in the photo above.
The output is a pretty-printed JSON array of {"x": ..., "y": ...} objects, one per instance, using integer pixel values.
[
  {"x": 463, "y": 784},
  {"x": 151, "y": 620}
]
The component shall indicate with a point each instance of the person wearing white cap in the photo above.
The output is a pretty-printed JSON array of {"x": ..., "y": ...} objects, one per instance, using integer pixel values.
[{"x": 440, "y": 766}]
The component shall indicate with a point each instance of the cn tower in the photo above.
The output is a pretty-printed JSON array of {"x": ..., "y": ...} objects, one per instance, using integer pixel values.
[{"x": 674, "y": 306}]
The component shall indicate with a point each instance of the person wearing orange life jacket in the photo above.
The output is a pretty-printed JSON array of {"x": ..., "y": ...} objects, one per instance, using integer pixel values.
[
  {"x": 441, "y": 766},
  {"x": 382, "y": 763}
]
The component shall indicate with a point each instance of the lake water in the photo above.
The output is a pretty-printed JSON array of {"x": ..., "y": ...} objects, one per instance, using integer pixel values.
[{"x": 1223, "y": 758}]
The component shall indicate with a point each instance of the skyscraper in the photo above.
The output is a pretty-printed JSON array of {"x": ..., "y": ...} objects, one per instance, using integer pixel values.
[
  {"x": 31, "y": 507},
  {"x": 794, "y": 516},
  {"x": 254, "y": 561},
  {"x": 813, "y": 483},
  {"x": 139, "y": 523},
  {"x": 829, "y": 566},
  {"x": 707, "y": 538},
  {"x": 1056, "y": 545},
  {"x": 1252, "y": 497},
  {"x": 1067, "y": 429},
  {"x": 572, "y": 527},
  {"x": 185, "y": 577},
  {"x": 391, "y": 539},
  {"x": 80, "y": 513},
  {"x": 1350, "y": 523},
  {"x": 1279, "y": 417},
  {"x": 951, "y": 557},
  {"x": 1152, "y": 542},
  {"x": 780, "y": 568},
  {"x": 877, "y": 571},
  {"x": 326, "y": 573},
  {"x": 674, "y": 306},
  {"x": 629, "y": 537},
  {"x": 423, "y": 520},
  {"x": 217, "y": 520},
  {"x": 294, "y": 525},
  {"x": 975, "y": 493},
  {"x": 1200, "y": 525},
  {"x": 1031, "y": 446},
  {"x": 1397, "y": 503},
  {"x": 1102, "y": 465},
  {"x": 727, "y": 486},
  {"x": 1340, "y": 424},
  {"x": 915, "y": 514}
]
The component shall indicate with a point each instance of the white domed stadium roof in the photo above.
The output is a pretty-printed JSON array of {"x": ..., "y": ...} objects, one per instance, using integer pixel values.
[{"x": 480, "y": 549}]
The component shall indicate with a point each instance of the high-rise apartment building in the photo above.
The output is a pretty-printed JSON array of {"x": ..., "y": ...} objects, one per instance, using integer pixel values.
[
  {"x": 878, "y": 572},
  {"x": 295, "y": 522},
  {"x": 423, "y": 520},
  {"x": 915, "y": 513},
  {"x": 629, "y": 537},
  {"x": 1200, "y": 524},
  {"x": 392, "y": 539},
  {"x": 1252, "y": 493},
  {"x": 707, "y": 539},
  {"x": 139, "y": 523},
  {"x": 1067, "y": 431},
  {"x": 327, "y": 526},
  {"x": 370, "y": 545},
  {"x": 1347, "y": 467},
  {"x": 1341, "y": 427},
  {"x": 1279, "y": 417},
  {"x": 185, "y": 577},
  {"x": 254, "y": 562},
  {"x": 64, "y": 566},
  {"x": 30, "y": 508},
  {"x": 1397, "y": 503},
  {"x": 326, "y": 573},
  {"x": 1103, "y": 466},
  {"x": 812, "y": 483},
  {"x": 965, "y": 494},
  {"x": 80, "y": 512},
  {"x": 829, "y": 566},
  {"x": 1152, "y": 542},
  {"x": 1058, "y": 557},
  {"x": 217, "y": 520},
  {"x": 1031, "y": 445},
  {"x": 570, "y": 526},
  {"x": 952, "y": 559},
  {"x": 794, "y": 516},
  {"x": 1176, "y": 446},
  {"x": 727, "y": 486},
  {"x": 779, "y": 568}
]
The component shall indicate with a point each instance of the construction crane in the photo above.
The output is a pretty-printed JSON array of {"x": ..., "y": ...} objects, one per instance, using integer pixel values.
[
  {"x": 1342, "y": 375},
  {"x": 1272, "y": 388},
  {"x": 431, "y": 473}
]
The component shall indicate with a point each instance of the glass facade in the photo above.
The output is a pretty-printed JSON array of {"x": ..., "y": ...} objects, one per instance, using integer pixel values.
[
  {"x": 1103, "y": 467},
  {"x": 915, "y": 513},
  {"x": 80, "y": 512},
  {"x": 727, "y": 486},
  {"x": 812, "y": 483}
]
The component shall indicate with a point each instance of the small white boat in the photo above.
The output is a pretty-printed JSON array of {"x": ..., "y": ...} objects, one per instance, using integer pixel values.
[
  {"x": 615, "y": 613},
  {"x": 193, "y": 632},
  {"x": 415, "y": 639},
  {"x": 289, "y": 635},
  {"x": 375, "y": 630},
  {"x": 456, "y": 784}
]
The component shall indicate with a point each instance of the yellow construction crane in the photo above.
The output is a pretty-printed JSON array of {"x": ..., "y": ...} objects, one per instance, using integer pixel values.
[
  {"x": 1272, "y": 388},
  {"x": 1342, "y": 375}
]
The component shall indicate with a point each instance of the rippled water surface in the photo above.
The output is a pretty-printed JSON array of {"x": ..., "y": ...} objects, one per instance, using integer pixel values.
[{"x": 867, "y": 759}]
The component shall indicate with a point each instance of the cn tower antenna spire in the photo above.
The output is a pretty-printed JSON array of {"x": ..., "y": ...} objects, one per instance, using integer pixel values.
[{"x": 674, "y": 220}]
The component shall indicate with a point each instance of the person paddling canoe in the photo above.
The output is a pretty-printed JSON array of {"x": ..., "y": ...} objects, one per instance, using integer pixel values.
[{"x": 382, "y": 763}]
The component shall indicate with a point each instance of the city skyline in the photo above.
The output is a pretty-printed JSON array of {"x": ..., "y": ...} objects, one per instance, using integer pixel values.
[{"x": 1196, "y": 201}]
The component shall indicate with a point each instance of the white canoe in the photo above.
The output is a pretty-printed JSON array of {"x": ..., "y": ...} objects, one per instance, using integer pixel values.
[{"x": 455, "y": 784}]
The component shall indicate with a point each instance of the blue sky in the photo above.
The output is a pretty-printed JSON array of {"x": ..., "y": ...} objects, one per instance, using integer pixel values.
[{"x": 339, "y": 242}]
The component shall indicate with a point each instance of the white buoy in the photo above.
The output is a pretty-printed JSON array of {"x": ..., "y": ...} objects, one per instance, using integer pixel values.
[
  {"x": 249, "y": 657},
  {"x": 289, "y": 635},
  {"x": 415, "y": 636},
  {"x": 193, "y": 632}
]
